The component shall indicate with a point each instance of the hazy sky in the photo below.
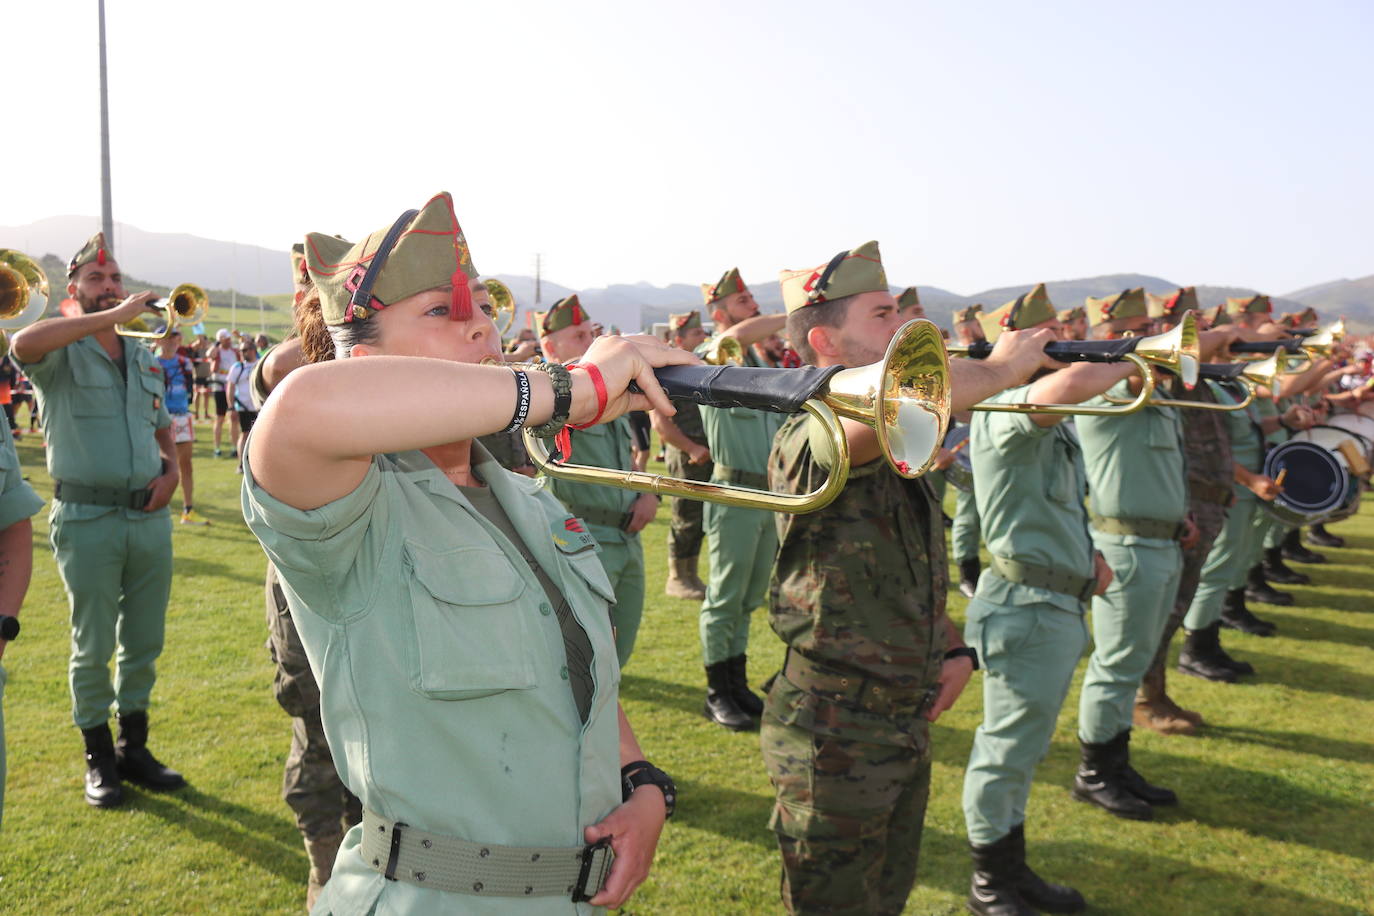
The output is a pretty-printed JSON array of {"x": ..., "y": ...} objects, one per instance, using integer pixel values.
[{"x": 983, "y": 143}]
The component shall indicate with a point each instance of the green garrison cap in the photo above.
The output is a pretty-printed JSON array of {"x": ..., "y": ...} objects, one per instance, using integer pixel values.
[
  {"x": 1129, "y": 303},
  {"x": 907, "y": 298},
  {"x": 729, "y": 283},
  {"x": 969, "y": 314},
  {"x": 1216, "y": 316},
  {"x": 564, "y": 313},
  {"x": 1173, "y": 307},
  {"x": 685, "y": 321},
  {"x": 1306, "y": 318},
  {"x": 1154, "y": 304},
  {"x": 1257, "y": 304},
  {"x": 1023, "y": 312},
  {"x": 430, "y": 252},
  {"x": 1072, "y": 314},
  {"x": 95, "y": 250},
  {"x": 859, "y": 270}
]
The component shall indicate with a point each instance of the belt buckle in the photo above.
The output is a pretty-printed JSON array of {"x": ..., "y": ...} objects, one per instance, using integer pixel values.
[
  {"x": 139, "y": 498},
  {"x": 579, "y": 890}
]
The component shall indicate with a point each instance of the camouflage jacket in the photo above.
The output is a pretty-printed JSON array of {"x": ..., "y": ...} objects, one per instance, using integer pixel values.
[
  {"x": 688, "y": 420},
  {"x": 1206, "y": 442},
  {"x": 860, "y": 585}
]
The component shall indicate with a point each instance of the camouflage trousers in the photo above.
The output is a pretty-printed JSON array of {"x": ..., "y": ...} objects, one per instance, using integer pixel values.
[
  {"x": 684, "y": 530},
  {"x": 310, "y": 784},
  {"x": 849, "y": 811},
  {"x": 1209, "y": 518}
]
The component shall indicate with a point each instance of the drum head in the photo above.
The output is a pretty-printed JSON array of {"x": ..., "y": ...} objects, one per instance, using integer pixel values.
[{"x": 1315, "y": 481}]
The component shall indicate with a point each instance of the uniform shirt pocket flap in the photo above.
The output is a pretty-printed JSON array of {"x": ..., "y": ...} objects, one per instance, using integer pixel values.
[
  {"x": 589, "y": 569},
  {"x": 465, "y": 576}
]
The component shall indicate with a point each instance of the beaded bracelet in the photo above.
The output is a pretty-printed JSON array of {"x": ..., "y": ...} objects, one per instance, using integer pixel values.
[{"x": 561, "y": 380}]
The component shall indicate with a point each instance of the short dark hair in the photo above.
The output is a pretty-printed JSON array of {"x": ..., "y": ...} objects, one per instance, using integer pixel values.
[{"x": 824, "y": 315}]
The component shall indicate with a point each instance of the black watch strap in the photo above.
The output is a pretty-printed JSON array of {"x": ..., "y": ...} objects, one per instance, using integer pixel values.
[
  {"x": 9, "y": 627},
  {"x": 965, "y": 651},
  {"x": 643, "y": 773}
]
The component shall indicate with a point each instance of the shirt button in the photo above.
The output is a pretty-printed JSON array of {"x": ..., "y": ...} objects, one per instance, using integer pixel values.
[
  {"x": 545, "y": 609},
  {"x": 563, "y": 672}
]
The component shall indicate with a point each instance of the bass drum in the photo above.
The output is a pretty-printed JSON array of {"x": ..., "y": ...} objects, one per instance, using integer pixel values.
[
  {"x": 960, "y": 472},
  {"x": 1317, "y": 484},
  {"x": 1360, "y": 426}
]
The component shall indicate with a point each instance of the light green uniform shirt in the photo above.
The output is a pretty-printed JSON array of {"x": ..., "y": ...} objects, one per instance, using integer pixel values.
[
  {"x": 1247, "y": 448},
  {"x": 606, "y": 445},
  {"x": 738, "y": 437},
  {"x": 444, "y": 683},
  {"x": 99, "y": 419},
  {"x": 1135, "y": 466},
  {"x": 1030, "y": 492},
  {"x": 18, "y": 500}
]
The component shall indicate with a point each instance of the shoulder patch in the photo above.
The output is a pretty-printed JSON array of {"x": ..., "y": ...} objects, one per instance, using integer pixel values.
[{"x": 570, "y": 535}]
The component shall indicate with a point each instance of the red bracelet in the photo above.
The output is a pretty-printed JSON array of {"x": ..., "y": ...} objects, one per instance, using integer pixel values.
[
  {"x": 563, "y": 441},
  {"x": 600, "y": 385}
]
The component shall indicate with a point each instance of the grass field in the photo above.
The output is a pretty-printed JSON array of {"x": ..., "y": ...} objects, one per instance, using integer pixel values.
[{"x": 1276, "y": 814}]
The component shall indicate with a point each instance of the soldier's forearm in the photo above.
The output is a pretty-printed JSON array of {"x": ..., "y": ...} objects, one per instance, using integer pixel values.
[
  {"x": 42, "y": 337},
  {"x": 16, "y": 566}
]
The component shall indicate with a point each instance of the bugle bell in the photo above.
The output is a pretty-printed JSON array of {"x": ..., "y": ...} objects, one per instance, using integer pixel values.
[
  {"x": 502, "y": 305},
  {"x": 724, "y": 351},
  {"x": 23, "y": 290},
  {"x": 905, "y": 397},
  {"x": 1076, "y": 351},
  {"x": 186, "y": 305}
]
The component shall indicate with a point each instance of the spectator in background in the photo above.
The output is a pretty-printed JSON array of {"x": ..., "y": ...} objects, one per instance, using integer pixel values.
[
  {"x": 262, "y": 342},
  {"x": 178, "y": 374},
  {"x": 222, "y": 358},
  {"x": 200, "y": 367},
  {"x": 238, "y": 388},
  {"x": 9, "y": 380}
]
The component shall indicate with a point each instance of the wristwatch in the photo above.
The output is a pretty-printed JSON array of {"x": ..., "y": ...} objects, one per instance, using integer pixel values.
[
  {"x": 644, "y": 773},
  {"x": 968, "y": 651},
  {"x": 9, "y": 627}
]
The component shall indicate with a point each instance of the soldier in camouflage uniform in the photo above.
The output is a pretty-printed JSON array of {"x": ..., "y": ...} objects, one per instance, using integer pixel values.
[
  {"x": 858, "y": 596},
  {"x": 688, "y": 457},
  {"x": 1207, "y": 454},
  {"x": 311, "y": 786}
]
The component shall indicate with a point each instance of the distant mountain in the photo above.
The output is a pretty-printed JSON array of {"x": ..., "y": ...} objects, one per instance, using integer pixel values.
[{"x": 167, "y": 259}]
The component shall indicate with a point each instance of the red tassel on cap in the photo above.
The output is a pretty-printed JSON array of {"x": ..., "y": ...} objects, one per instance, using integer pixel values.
[
  {"x": 100, "y": 256},
  {"x": 462, "y": 297}
]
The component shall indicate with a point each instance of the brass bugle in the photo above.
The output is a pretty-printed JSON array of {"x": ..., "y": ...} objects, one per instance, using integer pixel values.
[
  {"x": 1266, "y": 373},
  {"x": 1176, "y": 350},
  {"x": 502, "y": 305},
  {"x": 1076, "y": 351},
  {"x": 1323, "y": 344},
  {"x": 186, "y": 305},
  {"x": 905, "y": 397},
  {"x": 23, "y": 290},
  {"x": 724, "y": 351},
  {"x": 1232, "y": 373}
]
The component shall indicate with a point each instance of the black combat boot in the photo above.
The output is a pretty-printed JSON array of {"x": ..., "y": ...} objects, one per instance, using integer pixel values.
[
  {"x": 1199, "y": 656},
  {"x": 1035, "y": 890},
  {"x": 1275, "y": 570},
  {"x": 1318, "y": 535},
  {"x": 721, "y": 706},
  {"x": 136, "y": 762},
  {"x": 1256, "y": 589},
  {"x": 745, "y": 698},
  {"x": 1136, "y": 784},
  {"x": 995, "y": 871},
  {"x": 1237, "y": 616},
  {"x": 102, "y": 773},
  {"x": 1101, "y": 779},
  {"x": 1294, "y": 549},
  {"x": 969, "y": 571},
  {"x": 1222, "y": 656}
]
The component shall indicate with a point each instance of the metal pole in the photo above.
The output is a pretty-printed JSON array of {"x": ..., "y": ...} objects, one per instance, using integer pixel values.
[{"x": 106, "y": 210}]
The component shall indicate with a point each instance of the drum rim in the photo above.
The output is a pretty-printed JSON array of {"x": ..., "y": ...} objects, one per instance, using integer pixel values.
[{"x": 1339, "y": 494}]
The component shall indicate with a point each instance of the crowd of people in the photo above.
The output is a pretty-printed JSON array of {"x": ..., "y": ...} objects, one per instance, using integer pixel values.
[{"x": 436, "y": 605}]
